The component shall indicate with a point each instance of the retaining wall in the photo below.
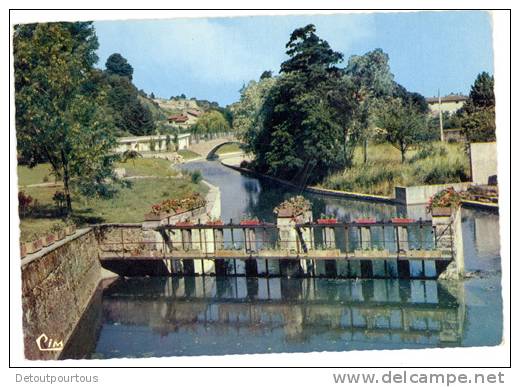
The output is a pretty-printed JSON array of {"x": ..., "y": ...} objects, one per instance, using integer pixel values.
[{"x": 57, "y": 285}]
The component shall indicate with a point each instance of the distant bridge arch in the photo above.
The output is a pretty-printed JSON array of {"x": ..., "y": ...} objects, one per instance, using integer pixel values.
[
  {"x": 208, "y": 148},
  {"x": 212, "y": 154}
]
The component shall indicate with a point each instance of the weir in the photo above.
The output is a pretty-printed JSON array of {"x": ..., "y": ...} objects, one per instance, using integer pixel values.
[{"x": 293, "y": 247}]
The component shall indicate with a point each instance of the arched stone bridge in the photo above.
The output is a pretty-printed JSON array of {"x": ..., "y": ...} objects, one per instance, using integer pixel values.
[{"x": 208, "y": 148}]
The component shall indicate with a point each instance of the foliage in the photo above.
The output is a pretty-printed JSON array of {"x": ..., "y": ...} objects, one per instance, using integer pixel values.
[
  {"x": 478, "y": 112},
  {"x": 61, "y": 114},
  {"x": 117, "y": 65},
  {"x": 296, "y": 204},
  {"x": 129, "y": 114},
  {"x": 402, "y": 125},
  {"x": 436, "y": 163},
  {"x": 24, "y": 203},
  {"x": 446, "y": 198},
  {"x": 211, "y": 122},
  {"x": 299, "y": 129},
  {"x": 246, "y": 110},
  {"x": 196, "y": 177},
  {"x": 190, "y": 202}
]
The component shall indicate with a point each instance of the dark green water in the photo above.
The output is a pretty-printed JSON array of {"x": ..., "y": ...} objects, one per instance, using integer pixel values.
[{"x": 143, "y": 317}]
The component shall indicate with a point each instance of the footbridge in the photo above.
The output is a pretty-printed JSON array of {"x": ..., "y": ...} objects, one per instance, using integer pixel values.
[{"x": 208, "y": 148}]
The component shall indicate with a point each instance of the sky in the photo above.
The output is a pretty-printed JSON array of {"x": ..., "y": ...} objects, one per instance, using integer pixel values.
[{"x": 212, "y": 58}]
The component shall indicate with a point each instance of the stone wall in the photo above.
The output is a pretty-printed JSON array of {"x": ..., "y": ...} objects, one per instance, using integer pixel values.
[
  {"x": 420, "y": 194},
  {"x": 57, "y": 285},
  {"x": 483, "y": 162}
]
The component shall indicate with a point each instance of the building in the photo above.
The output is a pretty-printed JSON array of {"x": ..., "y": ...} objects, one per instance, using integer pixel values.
[
  {"x": 155, "y": 143},
  {"x": 450, "y": 103}
]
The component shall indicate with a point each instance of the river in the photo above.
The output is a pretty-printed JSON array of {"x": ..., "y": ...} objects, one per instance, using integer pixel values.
[{"x": 147, "y": 317}]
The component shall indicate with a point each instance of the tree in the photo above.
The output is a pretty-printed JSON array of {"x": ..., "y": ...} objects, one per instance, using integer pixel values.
[
  {"x": 116, "y": 64},
  {"x": 299, "y": 131},
  {"x": 210, "y": 123},
  {"x": 246, "y": 110},
  {"x": 129, "y": 114},
  {"x": 61, "y": 114},
  {"x": 152, "y": 95},
  {"x": 402, "y": 125},
  {"x": 266, "y": 74},
  {"x": 478, "y": 112},
  {"x": 371, "y": 76}
]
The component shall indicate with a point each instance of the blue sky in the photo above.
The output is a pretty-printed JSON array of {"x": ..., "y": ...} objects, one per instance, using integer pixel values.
[{"x": 211, "y": 58}]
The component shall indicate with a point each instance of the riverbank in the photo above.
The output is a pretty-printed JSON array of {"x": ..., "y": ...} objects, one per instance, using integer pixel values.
[{"x": 346, "y": 194}]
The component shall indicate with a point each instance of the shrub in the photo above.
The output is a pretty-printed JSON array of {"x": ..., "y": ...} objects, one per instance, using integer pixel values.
[
  {"x": 24, "y": 203},
  {"x": 196, "y": 177}
]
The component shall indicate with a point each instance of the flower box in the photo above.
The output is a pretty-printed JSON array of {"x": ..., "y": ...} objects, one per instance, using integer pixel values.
[
  {"x": 60, "y": 234},
  {"x": 441, "y": 211},
  {"x": 184, "y": 224},
  {"x": 23, "y": 249},
  {"x": 214, "y": 223},
  {"x": 34, "y": 246},
  {"x": 48, "y": 239},
  {"x": 153, "y": 216},
  {"x": 327, "y": 221},
  {"x": 250, "y": 222},
  {"x": 402, "y": 220},
  {"x": 70, "y": 229},
  {"x": 366, "y": 220}
]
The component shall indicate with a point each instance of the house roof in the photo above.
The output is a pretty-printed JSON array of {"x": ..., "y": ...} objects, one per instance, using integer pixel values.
[
  {"x": 447, "y": 98},
  {"x": 178, "y": 118}
]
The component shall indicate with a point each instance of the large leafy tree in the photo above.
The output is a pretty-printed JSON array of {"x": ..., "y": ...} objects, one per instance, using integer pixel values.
[
  {"x": 210, "y": 123},
  {"x": 246, "y": 110},
  {"x": 373, "y": 81},
  {"x": 61, "y": 114},
  {"x": 478, "y": 112},
  {"x": 116, "y": 64},
  {"x": 402, "y": 125},
  {"x": 299, "y": 133}
]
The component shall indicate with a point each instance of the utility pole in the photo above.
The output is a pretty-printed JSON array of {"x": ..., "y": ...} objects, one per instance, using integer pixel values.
[{"x": 440, "y": 116}]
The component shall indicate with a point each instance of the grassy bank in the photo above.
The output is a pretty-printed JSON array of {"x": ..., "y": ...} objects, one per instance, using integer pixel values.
[
  {"x": 187, "y": 154},
  {"x": 429, "y": 164},
  {"x": 128, "y": 205}
]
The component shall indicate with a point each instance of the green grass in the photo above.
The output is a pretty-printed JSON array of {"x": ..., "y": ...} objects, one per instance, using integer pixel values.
[
  {"x": 36, "y": 175},
  {"x": 148, "y": 167},
  {"x": 436, "y": 163},
  {"x": 187, "y": 154},
  {"x": 228, "y": 148},
  {"x": 129, "y": 204}
]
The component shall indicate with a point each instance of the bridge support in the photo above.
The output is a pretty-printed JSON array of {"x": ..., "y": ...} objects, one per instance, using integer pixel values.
[{"x": 448, "y": 239}]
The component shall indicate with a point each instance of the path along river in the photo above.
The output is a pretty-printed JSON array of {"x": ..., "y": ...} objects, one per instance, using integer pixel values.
[{"x": 145, "y": 317}]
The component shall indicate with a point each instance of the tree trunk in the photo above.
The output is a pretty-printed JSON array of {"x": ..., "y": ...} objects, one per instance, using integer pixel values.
[
  {"x": 66, "y": 180},
  {"x": 403, "y": 157},
  {"x": 365, "y": 151}
]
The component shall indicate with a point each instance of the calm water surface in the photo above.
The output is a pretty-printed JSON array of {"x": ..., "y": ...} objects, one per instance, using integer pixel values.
[{"x": 144, "y": 317}]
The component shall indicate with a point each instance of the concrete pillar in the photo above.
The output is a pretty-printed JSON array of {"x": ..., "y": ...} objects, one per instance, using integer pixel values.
[
  {"x": 329, "y": 237},
  {"x": 291, "y": 238},
  {"x": 448, "y": 234},
  {"x": 401, "y": 238},
  {"x": 365, "y": 238}
]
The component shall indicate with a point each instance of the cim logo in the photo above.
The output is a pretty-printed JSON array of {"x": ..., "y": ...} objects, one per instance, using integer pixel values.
[{"x": 46, "y": 344}]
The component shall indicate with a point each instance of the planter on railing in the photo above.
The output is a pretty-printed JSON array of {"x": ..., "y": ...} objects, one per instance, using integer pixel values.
[
  {"x": 48, "y": 239},
  {"x": 328, "y": 221},
  {"x": 402, "y": 220},
  {"x": 366, "y": 220},
  {"x": 33, "y": 246},
  {"x": 70, "y": 229},
  {"x": 250, "y": 222},
  {"x": 60, "y": 234},
  {"x": 441, "y": 211},
  {"x": 214, "y": 223},
  {"x": 184, "y": 223}
]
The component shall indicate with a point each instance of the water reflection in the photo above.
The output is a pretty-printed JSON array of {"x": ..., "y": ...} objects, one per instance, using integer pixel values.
[{"x": 166, "y": 316}]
